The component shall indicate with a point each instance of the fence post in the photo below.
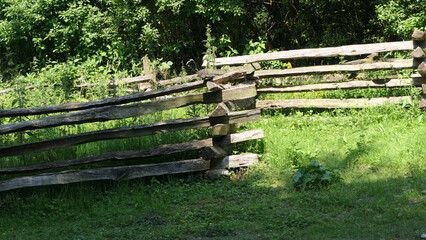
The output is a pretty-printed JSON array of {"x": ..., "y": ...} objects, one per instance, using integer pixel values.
[
  {"x": 220, "y": 131},
  {"x": 220, "y": 128},
  {"x": 147, "y": 72}
]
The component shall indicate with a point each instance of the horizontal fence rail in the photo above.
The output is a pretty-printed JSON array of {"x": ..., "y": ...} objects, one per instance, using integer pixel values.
[
  {"x": 124, "y": 132},
  {"x": 133, "y": 110},
  {"x": 138, "y": 154},
  {"x": 392, "y": 83},
  {"x": 326, "y": 69},
  {"x": 109, "y": 173},
  {"x": 330, "y": 103},
  {"x": 101, "y": 103},
  {"x": 350, "y": 50}
]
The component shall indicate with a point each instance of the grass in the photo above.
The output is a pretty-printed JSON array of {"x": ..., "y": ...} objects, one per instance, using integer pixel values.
[{"x": 379, "y": 153}]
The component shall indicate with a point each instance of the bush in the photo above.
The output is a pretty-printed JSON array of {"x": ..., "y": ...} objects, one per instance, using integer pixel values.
[{"x": 314, "y": 176}]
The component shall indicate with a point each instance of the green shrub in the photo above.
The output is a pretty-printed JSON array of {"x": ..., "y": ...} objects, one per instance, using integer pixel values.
[{"x": 314, "y": 176}]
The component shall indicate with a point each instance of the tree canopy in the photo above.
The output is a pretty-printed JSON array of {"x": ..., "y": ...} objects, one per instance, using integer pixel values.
[{"x": 121, "y": 32}]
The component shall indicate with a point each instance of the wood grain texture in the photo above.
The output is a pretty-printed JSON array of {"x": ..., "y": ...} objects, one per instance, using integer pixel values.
[
  {"x": 116, "y": 82},
  {"x": 423, "y": 102},
  {"x": 418, "y": 35},
  {"x": 392, "y": 83},
  {"x": 220, "y": 110},
  {"x": 104, "y": 113},
  {"x": 325, "y": 69},
  {"x": 422, "y": 69},
  {"x": 178, "y": 80},
  {"x": 115, "y": 156},
  {"x": 235, "y": 161},
  {"x": 350, "y": 50},
  {"x": 229, "y": 77},
  {"x": 124, "y": 132},
  {"x": 101, "y": 103},
  {"x": 219, "y": 149},
  {"x": 329, "y": 103},
  {"x": 133, "y": 110},
  {"x": 418, "y": 53},
  {"x": 220, "y": 130},
  {"x": 113, "y": 173}
]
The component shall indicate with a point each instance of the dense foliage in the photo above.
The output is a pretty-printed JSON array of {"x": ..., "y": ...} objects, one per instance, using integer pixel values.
[{"x": 36, "y": 32}]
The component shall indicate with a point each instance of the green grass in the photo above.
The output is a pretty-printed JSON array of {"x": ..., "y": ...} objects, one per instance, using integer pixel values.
[{"x": 379, "y": 153}]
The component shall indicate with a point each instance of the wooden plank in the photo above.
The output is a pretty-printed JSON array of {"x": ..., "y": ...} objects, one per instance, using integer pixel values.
[
  {"x": 216, "y": 152},
  {"x": 101, "y": 103},
  {"x": 241, "y": 137},
  {"x": 324, "y": 69},
  {"x": 392, "y": 83},
  {"x": 212, "y": 73},
  {"x": 104, "y": 113},
  {"x": 116, "y": 156},
  {"x": 423, "y": 102},
  {"x": 116, "y": 82},
  {"x": 244, "y": 116},
  {"x": 235, "y": 161},
  {"x": 418, "y": 79},
  {"x": 238, "y": 92},
  {"x": 220, "y": 130},
  {"x": 212, "y": 86},
  {"x": 422, "y": 69},
  {"x": 220, "y": 110},
  {"x": 329, "y": 103},
  {"x": 119, "y": 112},
  {"x": 229, "y": 77},
  {"x": 112, "y": 173},
  {"x": 124, "y": 132},
  {"x": 350, "y": 50},
  {"x": 418, "y": 35},
  {"x": 418, "y": 53},
  {"x": 219, "y": 150},
  {"x": 177, "y": 80}
]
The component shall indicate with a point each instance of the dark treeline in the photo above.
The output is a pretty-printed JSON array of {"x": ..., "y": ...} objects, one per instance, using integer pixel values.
[{"x": 120, "y": 32}]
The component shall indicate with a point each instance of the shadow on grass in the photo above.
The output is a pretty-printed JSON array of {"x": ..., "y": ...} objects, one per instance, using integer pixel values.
[{"x": 186, "y": 206}]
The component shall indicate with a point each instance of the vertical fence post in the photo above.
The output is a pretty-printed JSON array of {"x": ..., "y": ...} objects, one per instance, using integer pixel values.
[
  {"x": 146, "y": 72},
  {"x": 221, "y": 130}
]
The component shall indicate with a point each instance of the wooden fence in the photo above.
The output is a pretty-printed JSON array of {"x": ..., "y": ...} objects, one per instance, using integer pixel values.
[
  {"x": 328, "y": 73},
  {"x": 236, "y": 104},
  {"x": 217, "y": 151}
]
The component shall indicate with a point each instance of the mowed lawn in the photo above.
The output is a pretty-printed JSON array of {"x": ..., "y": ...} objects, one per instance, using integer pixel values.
[{"x": 380, "y": 154}]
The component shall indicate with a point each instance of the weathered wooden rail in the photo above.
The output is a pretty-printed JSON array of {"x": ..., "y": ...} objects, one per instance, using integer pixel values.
[
  {"x": 217, "y": 151},
  {"x": 355, "y": 67}
]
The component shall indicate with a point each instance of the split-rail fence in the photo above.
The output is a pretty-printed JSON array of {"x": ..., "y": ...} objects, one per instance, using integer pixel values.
[
  {"x": 216, "y": 155},
  {"x": 330, "y": 76},
  {"x": 236, "y": 104}
]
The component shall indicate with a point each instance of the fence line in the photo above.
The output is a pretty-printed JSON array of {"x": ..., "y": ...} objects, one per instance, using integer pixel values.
[
  {"x": 124, "y": 132},
  {"x": 382, "y": 83},
  {"x": 110, "y": 109},
  {"x": 350, "y": 50}
]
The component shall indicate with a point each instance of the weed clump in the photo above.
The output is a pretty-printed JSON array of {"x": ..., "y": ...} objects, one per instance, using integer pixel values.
[{"x": 314, "y": 176}]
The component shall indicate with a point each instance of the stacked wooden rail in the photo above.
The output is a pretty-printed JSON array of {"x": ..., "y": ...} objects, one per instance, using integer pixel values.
[
  {"x": 327, "y": 71},
  {"x": 217, "y": 155}
]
